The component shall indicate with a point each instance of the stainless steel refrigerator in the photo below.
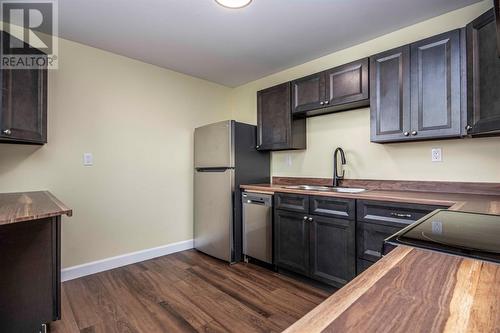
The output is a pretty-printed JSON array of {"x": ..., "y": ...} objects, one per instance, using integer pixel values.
[{"x": 224, "y": 158}]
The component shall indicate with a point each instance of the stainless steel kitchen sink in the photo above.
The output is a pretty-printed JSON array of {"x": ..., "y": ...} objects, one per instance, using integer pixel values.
[{"x": 326, "y": 188}]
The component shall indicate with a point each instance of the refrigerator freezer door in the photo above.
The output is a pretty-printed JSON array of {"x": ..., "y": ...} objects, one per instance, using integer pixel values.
[
  {"x": 213, "y": 212},
  {"x": 213, "y": 146}
]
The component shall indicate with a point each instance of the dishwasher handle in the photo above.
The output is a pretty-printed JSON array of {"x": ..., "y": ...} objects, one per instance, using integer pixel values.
[
  {"x": 257, "y": 199},
  {"x": 255, "y": 202}
]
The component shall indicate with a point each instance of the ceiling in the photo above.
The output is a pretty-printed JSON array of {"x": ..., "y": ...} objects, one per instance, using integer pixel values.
[{"x": 233, "y": 47}]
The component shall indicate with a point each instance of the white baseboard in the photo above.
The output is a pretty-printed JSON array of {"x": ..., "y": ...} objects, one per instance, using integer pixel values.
[{"x": 75, "y": 272}]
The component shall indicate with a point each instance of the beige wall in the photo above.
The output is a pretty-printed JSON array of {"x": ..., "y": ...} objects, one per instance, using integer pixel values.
[
  {"x": 138, "y": 121},
  {"x": 463, "y": 160}
]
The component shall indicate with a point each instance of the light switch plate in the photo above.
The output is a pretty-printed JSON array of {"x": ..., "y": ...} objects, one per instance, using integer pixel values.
[
  {"x": 88, "y": 159},
  {"x": 437, "y": 155}
]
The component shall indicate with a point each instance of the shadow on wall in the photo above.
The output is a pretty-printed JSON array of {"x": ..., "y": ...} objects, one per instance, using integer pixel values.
[{"x": 13, "y": 155}]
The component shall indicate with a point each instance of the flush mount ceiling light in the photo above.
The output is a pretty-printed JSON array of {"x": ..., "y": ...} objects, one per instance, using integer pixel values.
[{"x": 233, "y": 4}]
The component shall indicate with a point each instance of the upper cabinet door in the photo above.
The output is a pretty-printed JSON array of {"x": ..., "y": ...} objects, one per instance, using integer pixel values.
[
  {"x": 390, "y": 95},
  {"x": 483, "y": 76},
  {"x": 347, "y": 83},
  {"x": 273, "y": 117},
  {"x": 436, "y": 87},
  {"x": 23, "y": 113},
  {"x": 276, "y": 128},
  {"x": 308, "y": 93}
]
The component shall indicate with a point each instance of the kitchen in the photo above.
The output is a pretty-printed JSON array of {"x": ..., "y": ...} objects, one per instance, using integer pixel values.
[{"x": 131, "y": 216}]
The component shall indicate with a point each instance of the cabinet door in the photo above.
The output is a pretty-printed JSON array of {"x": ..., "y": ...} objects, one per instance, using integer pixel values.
[
  {"x": 436, "y": 87},
  {"x": 291, "y": 241},
  {"x": 276, "y": 128},
  {"x": 333, "y": 257},
  {"x": 497, "y": 13},
  {"x": 483, "y": 75},
  {"x": 23, "y": 114},
  {"x": 308, "y": 93},
  {"x": 390, "y": 95},
  {"x": 371, "y": 240},
  {"x": 347, "y": 84}
]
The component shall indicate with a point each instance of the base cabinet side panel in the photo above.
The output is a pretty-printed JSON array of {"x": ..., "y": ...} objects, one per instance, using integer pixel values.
[{"x": 27, "y": 276}]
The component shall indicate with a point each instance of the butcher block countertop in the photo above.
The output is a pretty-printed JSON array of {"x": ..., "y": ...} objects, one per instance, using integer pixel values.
[
  {"x": 476, "y": 203},
  {"x": 410, "y": 289},
  {"x": 413, "y": 290},
  {"x": 28, "y": 206}
]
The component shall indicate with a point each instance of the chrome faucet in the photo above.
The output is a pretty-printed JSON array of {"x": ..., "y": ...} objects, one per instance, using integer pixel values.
[{"x": 336, "y": 177}]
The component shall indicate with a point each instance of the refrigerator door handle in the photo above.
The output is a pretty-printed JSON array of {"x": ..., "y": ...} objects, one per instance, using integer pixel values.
[{"x": 214, "y": 169}]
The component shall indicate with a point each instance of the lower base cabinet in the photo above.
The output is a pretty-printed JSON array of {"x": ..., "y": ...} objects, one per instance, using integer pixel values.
[
  {"x": 331, "y": 239},
  {"x": 320, "y": 246},
  {"x": 378, "y": 220},
  {"x": 30, "y": 275}
]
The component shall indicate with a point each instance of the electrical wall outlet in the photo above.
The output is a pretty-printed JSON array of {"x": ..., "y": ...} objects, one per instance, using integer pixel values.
[
  {"x": 88, "y": 159},
  {"x": 288, "y": 159},
  {"x": 437, "y": 155}
]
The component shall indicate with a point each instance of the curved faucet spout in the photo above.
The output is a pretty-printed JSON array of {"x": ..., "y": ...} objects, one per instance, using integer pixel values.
[{"x": 336, "y": 177}]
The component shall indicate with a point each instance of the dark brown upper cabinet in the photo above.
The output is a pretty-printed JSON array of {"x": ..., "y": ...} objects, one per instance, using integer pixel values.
[
  {"x": 418, "y": 91},
  {"x": 308, "y": 93},
  {"x": 23, "y": 115},
  {"x": 483, "y": 76},
  {"x": 348, "y": 84},
  {"x": 436, "y": 105},
  {"x": 23, "y": 106},
  {"x": 340, "y": 88},
  {"x": 390, "y": 95},
  {"x": 277, "y": 129}
]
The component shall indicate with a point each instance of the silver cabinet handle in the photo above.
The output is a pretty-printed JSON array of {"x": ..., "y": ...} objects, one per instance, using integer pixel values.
[
  {"x": 326, "y": 102},
  {"x": 305, "y": 218},
  {"x": 406, "y": 133},
  {"x": 257, "y": 147},
  {"x": 468, "y": 127},
  {"x": 414, "y": 132},
  {"x": 310, "y": 219},
  {"x": 321, "y": 103},
  {"x": 7, "y": 132},
  {"x": 401, "y": 215}
]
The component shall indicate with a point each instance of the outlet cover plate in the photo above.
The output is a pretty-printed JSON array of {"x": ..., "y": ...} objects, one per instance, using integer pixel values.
[{"x": 437, "y": 155}]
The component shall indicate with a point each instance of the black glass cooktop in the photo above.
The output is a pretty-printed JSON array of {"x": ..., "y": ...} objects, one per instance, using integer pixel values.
[{"x": 467, "y": 234}]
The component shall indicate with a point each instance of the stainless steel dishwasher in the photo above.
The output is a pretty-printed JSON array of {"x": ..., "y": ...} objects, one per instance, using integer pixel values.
[{"x": 258, "y": 226}]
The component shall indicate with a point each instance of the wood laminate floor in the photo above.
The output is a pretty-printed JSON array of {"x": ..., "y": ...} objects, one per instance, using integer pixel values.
[{"x": 185, "y": 292}]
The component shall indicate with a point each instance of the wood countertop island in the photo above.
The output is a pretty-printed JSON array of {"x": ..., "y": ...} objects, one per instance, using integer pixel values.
[
  {"x": 28, "y": 206},
  {"x": 413, "y": 290},
  {"x": 410, "y": 289}
]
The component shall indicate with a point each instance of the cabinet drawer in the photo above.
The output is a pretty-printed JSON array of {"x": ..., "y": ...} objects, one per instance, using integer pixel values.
[
  {"x": 370, "y": 240},
  {"x": 335, "y": 207},
  {"x": 391, "y": 213},
  {"x": 292, "y": 202}
]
